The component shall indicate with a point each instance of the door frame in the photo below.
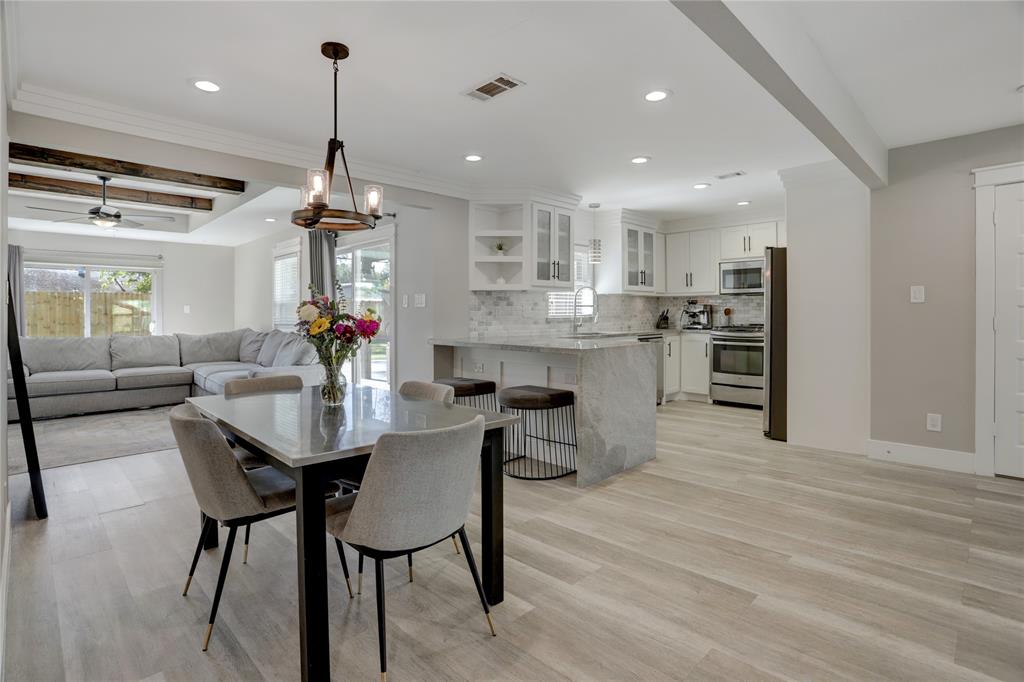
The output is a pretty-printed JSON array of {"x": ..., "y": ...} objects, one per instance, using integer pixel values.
[{"x": 985, "y": 182}]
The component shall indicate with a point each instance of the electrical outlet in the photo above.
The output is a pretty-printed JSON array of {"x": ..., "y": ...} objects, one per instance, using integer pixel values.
[
  {"x": 478, "y": 368},
  {"x": 933, "y": 422},
  {"x": 420, "y": 300},
  {"x": 405, "y": 300},
  {"x": 188, "y": 309},
  {"x": 917, "y": 293},
  {"x": 569, "y": 379}
]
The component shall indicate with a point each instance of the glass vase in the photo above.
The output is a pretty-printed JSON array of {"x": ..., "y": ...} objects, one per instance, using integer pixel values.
[{"x": 332, "y": 390}]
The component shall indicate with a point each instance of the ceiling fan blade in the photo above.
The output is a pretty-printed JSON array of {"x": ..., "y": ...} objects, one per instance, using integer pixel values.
[
  {"x": 150, "y": 218},
  {"x": 55, "y": 210},
  {"x": 86, "y": 219},
  {"x": 129, "y": 223}
]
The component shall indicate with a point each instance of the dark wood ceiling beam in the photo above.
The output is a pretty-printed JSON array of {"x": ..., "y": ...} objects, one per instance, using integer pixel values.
[
  {"x": 55, "y": 158},
  {"x": 38, "y": 183}
]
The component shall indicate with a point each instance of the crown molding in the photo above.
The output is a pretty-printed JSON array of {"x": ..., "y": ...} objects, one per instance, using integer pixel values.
[
  {"x": 9, "y": 19},
  {"x": 38, "y": 101}
]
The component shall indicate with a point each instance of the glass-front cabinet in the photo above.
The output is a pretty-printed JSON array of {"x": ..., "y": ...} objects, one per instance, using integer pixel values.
[
  {"x": 552, "y": 237},
  {"x": 638, "y": 245}
]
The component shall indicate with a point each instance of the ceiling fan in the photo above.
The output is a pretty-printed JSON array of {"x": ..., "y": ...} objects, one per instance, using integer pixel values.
[{"x": 104, "y": 215}]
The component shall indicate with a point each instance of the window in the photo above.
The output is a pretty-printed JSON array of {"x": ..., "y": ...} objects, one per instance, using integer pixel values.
[
  {"x": 287, "y": 292},
  {"x": 363, "y": 269},
  {"x": 70, "y": 300},
  {"x": 560, "y": 302}
]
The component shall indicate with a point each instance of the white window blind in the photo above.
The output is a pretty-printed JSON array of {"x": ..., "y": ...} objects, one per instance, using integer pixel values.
[
  {"x": 560, "y": 302},
  {"x": 286, "y": 290}
]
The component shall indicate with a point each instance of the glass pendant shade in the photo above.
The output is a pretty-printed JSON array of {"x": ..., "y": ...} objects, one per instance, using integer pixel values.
[
  {"x": 594, "y": 254},
  {"x": 373, "y": 199},
  {"x": 318, "y": 186}
]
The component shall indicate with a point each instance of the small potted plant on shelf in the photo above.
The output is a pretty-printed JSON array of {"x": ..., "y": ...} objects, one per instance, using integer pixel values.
[{"x": 500, "y": 247}]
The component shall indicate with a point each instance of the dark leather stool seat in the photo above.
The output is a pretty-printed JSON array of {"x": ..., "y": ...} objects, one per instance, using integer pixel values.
[
  {"x": 465, "y": 387},
  {"x": 535, "y": 397},
  {"x": 543, "y": 444}
]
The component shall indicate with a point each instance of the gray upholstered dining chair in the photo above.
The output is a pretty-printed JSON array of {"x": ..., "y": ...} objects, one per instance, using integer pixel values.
[
  {"x": 427, "y": 391},
  {"x": 416, "y": 492},
  {"x": 269, "y": 384},
  {"x": 226, "y": 492}
]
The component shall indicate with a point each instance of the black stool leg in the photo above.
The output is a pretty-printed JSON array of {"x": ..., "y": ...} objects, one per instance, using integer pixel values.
[
  {"x": 225, "y": 562},
  {"x": 476, "y": 579},
  {"x": 409, "y": 557},
  {"x": 359, "y": 585},
  {"x": 378, "y": 568},
  {"x": 344, "y": 565},
  {"x": 245, "y": 549},
  {"x": 203, "y": 532}
]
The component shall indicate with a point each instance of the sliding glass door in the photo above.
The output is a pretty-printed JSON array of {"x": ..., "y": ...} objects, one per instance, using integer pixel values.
[{"x": 364, "y": 272}]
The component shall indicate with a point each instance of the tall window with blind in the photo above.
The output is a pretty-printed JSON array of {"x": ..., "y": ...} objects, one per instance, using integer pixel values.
[
  {"x": 560, "y": 302},
  {"x": 287, "y": 290}
]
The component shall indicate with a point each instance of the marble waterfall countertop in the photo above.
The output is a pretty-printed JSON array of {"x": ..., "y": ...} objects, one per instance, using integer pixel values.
[{"x": 551, "y": 343}]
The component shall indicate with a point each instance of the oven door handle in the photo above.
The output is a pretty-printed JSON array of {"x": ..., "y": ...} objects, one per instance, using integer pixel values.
[{"x": 731, "y": 342}]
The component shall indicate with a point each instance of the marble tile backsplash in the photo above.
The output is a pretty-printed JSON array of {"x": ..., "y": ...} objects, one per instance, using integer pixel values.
[{"x": 511, "y": 313}]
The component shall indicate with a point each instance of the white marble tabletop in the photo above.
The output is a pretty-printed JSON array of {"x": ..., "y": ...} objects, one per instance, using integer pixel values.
[
  {"x": 297, "y": 429},
  {"x": 549, "y": 343}
]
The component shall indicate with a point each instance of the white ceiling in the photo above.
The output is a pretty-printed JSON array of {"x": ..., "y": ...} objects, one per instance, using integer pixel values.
[
  {"x": 573, "y": 127},
  {"x": 924, "y": 71}
]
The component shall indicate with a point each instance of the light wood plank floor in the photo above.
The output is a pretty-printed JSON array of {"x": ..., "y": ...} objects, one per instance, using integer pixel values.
[{"x": 728, "y": 558}]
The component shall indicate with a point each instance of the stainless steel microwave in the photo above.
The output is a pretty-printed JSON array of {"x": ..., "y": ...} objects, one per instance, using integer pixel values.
[{"x": 741, "y": 276}]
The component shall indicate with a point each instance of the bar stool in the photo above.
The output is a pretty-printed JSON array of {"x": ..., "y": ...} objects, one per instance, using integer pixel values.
[
  {"x": 543, "y": 445},
  {"x": 478, "y": 393}
]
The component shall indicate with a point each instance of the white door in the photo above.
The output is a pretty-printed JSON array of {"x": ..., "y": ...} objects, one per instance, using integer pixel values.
[
  {"x": 734, "y": 242},
  {"x": 364, "y": 274},
  {"x": 677, "y": 262},
  {"x": 562, "y": 246},
  {"x": 761, "y": 235},
  {"x": 647, "y": 274},
  {"x": 631, "y": 263},
  {"x": 703, "y": 262},
  {"x": 1009, "y": 350},
  {"x": 543, "y": 259},
  {"x": 695, "y": 372},
  {"x": 672, "y": 365}
]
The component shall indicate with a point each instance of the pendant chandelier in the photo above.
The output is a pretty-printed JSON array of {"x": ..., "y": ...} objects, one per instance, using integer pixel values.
[{"x": 314, "y": 198}]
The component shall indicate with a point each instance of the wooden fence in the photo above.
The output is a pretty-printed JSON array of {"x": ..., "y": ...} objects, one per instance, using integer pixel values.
[{"x": 62, "y": 313}]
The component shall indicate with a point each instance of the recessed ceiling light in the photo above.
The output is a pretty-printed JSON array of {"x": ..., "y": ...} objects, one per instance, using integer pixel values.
[
  {"x": 640, "y": 159},
  {"x": 270, "y": 220},
  {"x": 473, "y": 158},
  {"x": 657, "y": 95},
  {"x": 702, "y": 185},
  {"x": 207, "y": 86},
  {"x": 743, "y": 203}
]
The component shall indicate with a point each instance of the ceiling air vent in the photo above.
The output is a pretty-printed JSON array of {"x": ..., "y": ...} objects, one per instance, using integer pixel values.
[
  {"x": 498, "y": 85},
  {"x": 730, "y": 176}
]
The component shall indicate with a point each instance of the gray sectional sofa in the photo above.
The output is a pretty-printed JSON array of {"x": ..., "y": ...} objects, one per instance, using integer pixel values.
[{"x": 81, "y": 375}]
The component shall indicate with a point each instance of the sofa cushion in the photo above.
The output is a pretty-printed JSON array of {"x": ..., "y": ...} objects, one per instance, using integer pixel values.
[
  {"x": 252, "y": 342},
  {"x": 59, "y": 355},
  {"x": 271, "y": 345},
  {"x": 221, "y": 346},
  {"x": 201, "y": 372},
  {"x": 151, "y": 377},
  {"x": 71, "y": 381},
  {"x": 143, "y": 351},
  {"x": 294, "y": 351},
  {"x": 214, "y": 383}
]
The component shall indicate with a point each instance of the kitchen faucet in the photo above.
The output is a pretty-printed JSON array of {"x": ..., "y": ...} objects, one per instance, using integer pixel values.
[{"x": 575, "y": 308}]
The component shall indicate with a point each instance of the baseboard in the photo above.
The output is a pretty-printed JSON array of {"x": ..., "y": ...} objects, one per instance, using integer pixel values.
[
  {"x": 936, "y": 458},
  {"x": 5, "y": 580}
]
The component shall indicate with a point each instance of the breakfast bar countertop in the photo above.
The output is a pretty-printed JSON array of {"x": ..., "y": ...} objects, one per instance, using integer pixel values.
[{"x": 548, "y": 343}]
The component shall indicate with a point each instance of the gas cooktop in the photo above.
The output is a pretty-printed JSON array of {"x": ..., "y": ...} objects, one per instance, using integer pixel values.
[{"x": 739, "y": 330}]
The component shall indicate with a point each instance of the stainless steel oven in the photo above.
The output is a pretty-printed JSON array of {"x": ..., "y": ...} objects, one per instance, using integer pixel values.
[
  {"x": 741, "y": 276},
  {"x": 737, "y": 365}
]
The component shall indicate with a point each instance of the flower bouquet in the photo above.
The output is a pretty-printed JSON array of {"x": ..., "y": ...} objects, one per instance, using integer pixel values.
[{"x": 336, "y": 335}]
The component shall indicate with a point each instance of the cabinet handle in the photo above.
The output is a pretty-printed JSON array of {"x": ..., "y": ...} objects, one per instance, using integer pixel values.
[
  {"x": 705, "y": 349},
  {"x": 553, "y": 270},
  {"x": 558, "y": 269},
  {"x": 670, "y": 349}
]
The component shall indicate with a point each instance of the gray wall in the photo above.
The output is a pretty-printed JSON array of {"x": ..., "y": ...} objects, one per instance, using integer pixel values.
[{"x": 922, "y": 232}]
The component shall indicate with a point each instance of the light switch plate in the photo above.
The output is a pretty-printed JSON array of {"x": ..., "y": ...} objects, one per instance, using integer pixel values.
[
  {"x": 933, "y": 422},
  {"x": 420, "y": 300},
  {"x": 405, "y": 300},
  {"x": 188, "y": 309},
  {"x": 478, "y": 368},
  {"x": 917, "y": 293}
]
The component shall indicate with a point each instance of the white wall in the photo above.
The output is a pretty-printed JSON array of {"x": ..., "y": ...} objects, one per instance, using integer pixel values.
[
  {"x": 828, "y": 216},
  {"x": 253, "y": 277},
  {"x": 199, "y": 276},
  {"x": 5, "y": 505}
]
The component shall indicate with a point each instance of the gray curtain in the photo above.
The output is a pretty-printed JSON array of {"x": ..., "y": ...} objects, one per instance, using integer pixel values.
[
  {"x": 15, "y": 275},
  {"x": 321, "y": 261}
]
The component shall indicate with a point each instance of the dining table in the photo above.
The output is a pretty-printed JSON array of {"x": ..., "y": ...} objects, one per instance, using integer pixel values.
[{"x": 315, "y": 444}]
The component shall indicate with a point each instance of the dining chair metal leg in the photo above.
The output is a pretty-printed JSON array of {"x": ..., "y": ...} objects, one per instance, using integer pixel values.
[
  {"x": 344, "y": 565},
  {"x": 456, "y": 543},
  {"x": 378, "y": 569},
  {"x": 225, "y": 562},
  {"x": 476, "y": 579},
  {"x": 245, "y": 550},
  {"x": 207, "y": 525},
  {"x": 409, "y": 557},
  {"x": 359, "y": 585}
]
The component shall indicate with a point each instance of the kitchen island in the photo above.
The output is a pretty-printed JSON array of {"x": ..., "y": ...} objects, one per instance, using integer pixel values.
[{"x": 614, "y": 377}]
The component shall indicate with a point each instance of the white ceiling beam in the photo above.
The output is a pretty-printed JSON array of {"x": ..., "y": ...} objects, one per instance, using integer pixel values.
[{"x": 764, "y": 39}]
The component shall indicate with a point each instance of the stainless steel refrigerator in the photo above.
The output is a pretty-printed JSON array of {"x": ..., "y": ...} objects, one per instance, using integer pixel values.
[{"x": 775, "y": 343}]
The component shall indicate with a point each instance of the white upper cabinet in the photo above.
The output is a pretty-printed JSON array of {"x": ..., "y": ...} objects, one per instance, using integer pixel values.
[
  {"x": 552, "y": 238},
  {"x": 691, "y": 262},
  {"x": 633, "y": 253},
  {"x": 639, "y": 269},
  {"x": 746, "y": 241}
]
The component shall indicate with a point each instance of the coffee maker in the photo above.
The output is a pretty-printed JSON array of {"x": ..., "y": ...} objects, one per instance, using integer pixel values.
[{"x": 695, "y": 315}]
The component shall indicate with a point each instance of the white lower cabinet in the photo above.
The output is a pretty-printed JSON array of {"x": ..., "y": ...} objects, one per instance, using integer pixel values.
[
  {"x": 671, "y": 351},
  {"x": 695, "y": 362}
]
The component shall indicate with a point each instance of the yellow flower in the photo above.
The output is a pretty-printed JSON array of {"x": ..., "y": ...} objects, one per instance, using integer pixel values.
[{"x": 319, "y": 324}]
